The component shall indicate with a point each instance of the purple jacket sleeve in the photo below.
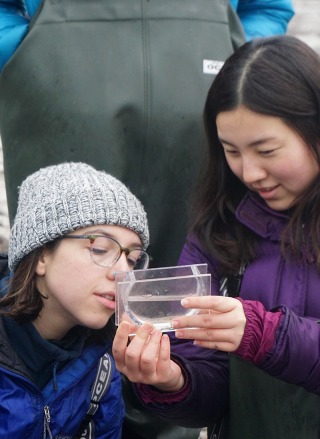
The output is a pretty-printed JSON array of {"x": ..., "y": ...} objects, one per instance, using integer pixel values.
[
  {"x": 205, "y": 398},
  {"x": 260, "y": 331},
  {"x": 282, "y": 344},
  {"x": 295, "y": 357}
]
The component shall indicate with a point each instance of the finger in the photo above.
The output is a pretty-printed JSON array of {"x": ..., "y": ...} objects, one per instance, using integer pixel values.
[
  {"x": 193, "y": 321},
  {"x": 150, "y": 353},
  {"x": 142, "y": 333},
  {"x": 207, "y": 311},
  {"x": 233, "y": 312},
  {"x": 119, "y": 345},
  {"x": 214, "y": 320},
  {"x": 136, "y": 346},
  {"x": 210, "y": 334},
  {"x": 170, "y": 377},
  {"x": 233, "y": 320},
  {"x": 134, "y": 327},
  {"x": 215, "y": 303},
  {"x": 222, "y": 339},
  {"x": 164, "y": 355},
  {"x": 133, "y": 331}
]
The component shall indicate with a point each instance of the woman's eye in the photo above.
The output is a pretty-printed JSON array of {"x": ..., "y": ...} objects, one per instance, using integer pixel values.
[
  {"x": 131, "y": 262},
  {"x": 266, "y": 152},
  {"x": 232, "y": 152},
  {"x": 99, "y": 251}
]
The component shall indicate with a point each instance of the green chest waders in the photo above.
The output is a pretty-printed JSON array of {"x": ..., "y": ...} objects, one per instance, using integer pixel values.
[
  {"x": 121, "y": 85},
  {"x": 263, "y": 407}
]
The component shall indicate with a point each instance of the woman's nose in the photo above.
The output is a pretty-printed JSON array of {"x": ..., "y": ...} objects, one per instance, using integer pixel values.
[
  {"x": 252, "y": 171},
  {"x": 120, "y": 265}
]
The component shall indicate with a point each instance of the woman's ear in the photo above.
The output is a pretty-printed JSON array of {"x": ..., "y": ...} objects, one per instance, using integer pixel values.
[{"x": 41, "y": 265}]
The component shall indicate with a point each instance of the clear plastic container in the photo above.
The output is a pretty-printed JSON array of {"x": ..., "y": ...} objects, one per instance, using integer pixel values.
[{"x": 154, "y": 295}]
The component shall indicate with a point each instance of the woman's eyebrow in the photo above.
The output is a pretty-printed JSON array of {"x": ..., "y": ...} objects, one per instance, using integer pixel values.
[
  {"x": 110, "y": 235},
  {"x": 253, "y": 143}
]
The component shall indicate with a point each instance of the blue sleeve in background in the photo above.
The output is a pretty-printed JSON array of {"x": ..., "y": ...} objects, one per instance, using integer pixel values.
[
  {"x": 261, "y": 18},
  {"x": 14, "y": 22},
  {"x": 12, "y": 32}
]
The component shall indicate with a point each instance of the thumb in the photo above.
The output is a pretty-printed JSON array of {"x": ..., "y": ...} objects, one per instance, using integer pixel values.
[{"x": 218, "y": 304}]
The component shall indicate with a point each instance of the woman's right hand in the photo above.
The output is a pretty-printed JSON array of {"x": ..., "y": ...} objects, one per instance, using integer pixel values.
[
  {"x": 220, "y": 323},
  {"x": 146, "y": 359}
]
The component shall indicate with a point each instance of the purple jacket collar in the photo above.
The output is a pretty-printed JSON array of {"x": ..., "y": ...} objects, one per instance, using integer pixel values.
[{"x": 254, "y": 213}]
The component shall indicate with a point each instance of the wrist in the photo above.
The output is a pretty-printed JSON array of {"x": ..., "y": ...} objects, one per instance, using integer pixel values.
[{"x": 174, "y": 386}]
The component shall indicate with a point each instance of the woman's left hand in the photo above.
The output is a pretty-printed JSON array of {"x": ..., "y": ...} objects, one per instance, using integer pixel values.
[
  {"x": 146, "y": 359},
  {"x": 219, "y": 325}
]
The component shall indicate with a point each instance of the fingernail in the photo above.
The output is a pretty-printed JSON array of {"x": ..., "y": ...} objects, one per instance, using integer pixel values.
[
  {"x": 175, "y": 323},
  {"x": 184, "y": 302},
  {"x": 178, "y": 334},
  {"x": 147, "y": 326}
]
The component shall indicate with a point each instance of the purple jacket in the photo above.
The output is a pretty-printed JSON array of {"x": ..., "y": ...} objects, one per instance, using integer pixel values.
[{"x": 278, "y": 284}]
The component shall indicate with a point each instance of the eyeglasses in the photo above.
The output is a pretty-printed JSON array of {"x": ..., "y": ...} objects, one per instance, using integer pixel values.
[{"x": 105, "y": 252}]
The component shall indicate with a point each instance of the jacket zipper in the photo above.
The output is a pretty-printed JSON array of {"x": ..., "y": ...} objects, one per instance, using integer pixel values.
[{"x": 46, "y": 426}]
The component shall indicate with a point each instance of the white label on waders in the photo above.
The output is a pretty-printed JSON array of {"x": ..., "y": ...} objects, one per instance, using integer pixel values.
[{"x": 211, "y": 66}]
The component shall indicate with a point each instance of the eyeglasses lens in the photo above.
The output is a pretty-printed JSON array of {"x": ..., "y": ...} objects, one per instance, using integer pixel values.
[{"x": 105, "y": 252}]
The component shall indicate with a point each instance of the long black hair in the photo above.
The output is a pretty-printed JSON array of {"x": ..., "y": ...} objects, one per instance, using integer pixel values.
[{"x": 275, "y": 76}]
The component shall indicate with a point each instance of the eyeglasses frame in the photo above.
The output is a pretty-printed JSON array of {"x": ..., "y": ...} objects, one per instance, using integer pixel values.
[{"x": 92, "y": 238}]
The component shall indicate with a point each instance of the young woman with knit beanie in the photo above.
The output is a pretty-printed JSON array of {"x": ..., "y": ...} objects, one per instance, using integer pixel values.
[{"x": 75, "y": 226}]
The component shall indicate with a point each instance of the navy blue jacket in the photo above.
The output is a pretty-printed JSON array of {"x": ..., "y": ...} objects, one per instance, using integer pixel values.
[{"x": 25, "y": 409}]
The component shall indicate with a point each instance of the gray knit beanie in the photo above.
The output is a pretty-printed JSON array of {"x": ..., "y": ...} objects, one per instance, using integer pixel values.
[{"x": 59, "y": 199}]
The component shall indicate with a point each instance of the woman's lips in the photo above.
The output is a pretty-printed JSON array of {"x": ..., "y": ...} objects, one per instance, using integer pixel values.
[
  {"x": 108, "y": 300},
  {"x": 268, "y": 192}
]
